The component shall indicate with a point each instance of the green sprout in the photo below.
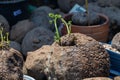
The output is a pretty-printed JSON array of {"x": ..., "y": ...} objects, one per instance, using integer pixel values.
[
  {"x": 55, "y": 17},
  {"x": 4, "y": 41},
  {"x": 86, "y": 6}
]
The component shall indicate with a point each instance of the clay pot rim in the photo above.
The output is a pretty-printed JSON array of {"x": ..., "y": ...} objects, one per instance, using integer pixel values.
[
  {"x": 99, "y": 25},
  {"x": 11, "y": 2}
]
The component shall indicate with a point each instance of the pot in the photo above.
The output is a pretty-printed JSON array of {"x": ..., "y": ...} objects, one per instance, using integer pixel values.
[
  {"x": 26, "y": 77},
  {"x": 99, "y": 32},
  {"x": 14, "y": 10}
]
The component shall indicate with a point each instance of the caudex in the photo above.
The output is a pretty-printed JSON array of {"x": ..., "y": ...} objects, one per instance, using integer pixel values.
[
  {"x": 4, "y": 41},
  {"x": 55, "y": 17}
]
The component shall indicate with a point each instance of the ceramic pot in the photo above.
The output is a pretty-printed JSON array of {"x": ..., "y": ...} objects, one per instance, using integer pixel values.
[{"x": 99, "y": 32}]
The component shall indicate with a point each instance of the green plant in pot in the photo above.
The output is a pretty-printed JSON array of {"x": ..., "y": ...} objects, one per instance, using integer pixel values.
[
  {"x": 11, "y": 60},
  {"x": 90, "y": 23},
  {"x": 73, "y": 56}
]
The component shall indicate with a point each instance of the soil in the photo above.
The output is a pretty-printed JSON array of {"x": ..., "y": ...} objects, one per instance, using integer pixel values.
[
  {"x": 11, "y": 65},
  {"x": 76, "y": 57},
  {"x": 116, "y": 41},
  {"x": 109, "y": 47}
]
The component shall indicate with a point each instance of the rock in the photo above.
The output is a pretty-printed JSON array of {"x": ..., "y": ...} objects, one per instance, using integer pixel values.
[
  {"x": 58, "y": 11},
  {"x": 11, "y": 65},
  {"x": 114, "y": 17},
  {"x": 116, "y": 41},
  {"x": 93, "y": 7},
  {"x": 113, "y": 14},
  {"x": 76, "y": 57},
  {"x": 40, "y": 17},
  {"x": 109, "y": 3},
  {"x": 15, "y": 45},
  {"x": 83, "y": 19},
  {"x": 66, "y": 5},
  {"x": 20, "y": 29},
  {"x": 4, "y": 23},
  {"x": 36, "y": 38}
]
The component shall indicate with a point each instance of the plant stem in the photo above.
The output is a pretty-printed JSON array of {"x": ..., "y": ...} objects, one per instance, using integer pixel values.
[
  {"x": 57, "y": 32},
  {"x": 68, "y": 29},
  {"x": 1, "y": 35},
  {"x": 86, "y": 5}
]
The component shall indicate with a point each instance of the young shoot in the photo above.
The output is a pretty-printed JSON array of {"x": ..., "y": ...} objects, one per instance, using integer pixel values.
[
  {"x": 55, "y": 17},
  {"x": 4, "y": 41}
]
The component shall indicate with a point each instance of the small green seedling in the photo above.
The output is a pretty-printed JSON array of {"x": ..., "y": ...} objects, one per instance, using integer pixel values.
[
  {"x": 55, "y": 17},
  {"x": 4, "y": 41}
]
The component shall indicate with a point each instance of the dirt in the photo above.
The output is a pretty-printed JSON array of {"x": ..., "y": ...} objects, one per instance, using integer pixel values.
[
  {"x": 75, "y": 58},
  {"x": 11, "y": 65},
  {"x": 109, "y": 47},
  {"x": 116, "y": 41}
]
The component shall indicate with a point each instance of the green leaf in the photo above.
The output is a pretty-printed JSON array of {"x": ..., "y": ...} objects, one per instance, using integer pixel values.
[{"x": 51, "y": 15}]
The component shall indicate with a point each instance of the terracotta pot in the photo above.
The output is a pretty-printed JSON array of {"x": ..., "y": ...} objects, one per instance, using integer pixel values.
[{"x": 98, "y": 32}]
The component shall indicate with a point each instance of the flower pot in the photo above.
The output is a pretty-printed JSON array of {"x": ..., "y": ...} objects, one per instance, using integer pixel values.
[
  {"x": 14, "y": 10},
  {"x": 114, "y": 59},
  {"x": 98, "y": 32},
  {"x": 26, "y": 77}
]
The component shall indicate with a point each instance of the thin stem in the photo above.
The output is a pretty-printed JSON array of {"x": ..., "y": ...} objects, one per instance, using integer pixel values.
[
  {"x": 68, "y": 30},
  {"x": 56, "y": 28},
  {"x": 1, "y": 34},
  {"x": 7, "y": 34},
  {"x": 86, "y": 5}
]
